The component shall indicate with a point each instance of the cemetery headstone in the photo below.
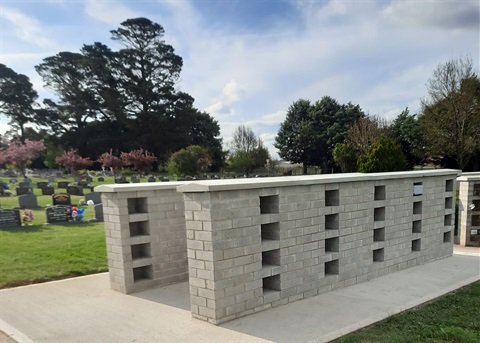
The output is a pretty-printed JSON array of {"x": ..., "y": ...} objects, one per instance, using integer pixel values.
[
  {"x": 13, "y": 181},
  {"x": 27, "y": 201},
  {"x": 94, "y": 196},
  {"x": 24, "y": 184},
  {"x": 62, "y": 184},
  {"x": 135, "y": 180},
  {"x": 42, "y": 184},
  {"x": 83, "y": 184},
  {"x": 58, "y": 174},
  {"x": 61, "y": 199},
  {"x": 75, "y": 190},
  {"x": 76, "y": 179},
  {"x": 48, "y": 190},
  {"x": 58, "y": 214},
  {"x": 89, "y": 179},
  {"x": 51, "y": 179},
  {"x": 101, "y": 179},
  {"x": 10, "y": 218},
  {"x": 98, "y": 212},
  {"x": 23, "y": 190}
]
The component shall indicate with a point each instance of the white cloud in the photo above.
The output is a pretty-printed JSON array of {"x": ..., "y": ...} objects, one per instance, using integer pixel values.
[
  {"x": 268, "y": 119},
  {"x": 110, "y": 12},
  {"x": 233, "y": 91},
  {"x": 26, "y": 28}
]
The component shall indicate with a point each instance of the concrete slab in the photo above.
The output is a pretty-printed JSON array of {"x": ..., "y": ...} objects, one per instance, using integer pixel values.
[{"x": 85, "y": 309}]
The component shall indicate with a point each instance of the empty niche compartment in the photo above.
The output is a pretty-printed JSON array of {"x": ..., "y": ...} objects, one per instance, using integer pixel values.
[
  {"x": 417, "y": 207},
  {"x": 417, "y": 226},
  {"x": 139, "y": 229},
  {"x": 379, "y": 193},
  {"x": 449, "y": 203},
  {"x": 270, "y": 231},
  {"x": 332, "y": 244},
  {"x": 475, "y": 220},
  {"x": 379, "y": 214},
  {"x": 271, "y": 283},
  {"x": 379, "y": 235},
  {"x": 269, "y": 204},
  {"x": 271, "y": 257},
  {"x": 142, "y": 273},
  {"x": 332, "y": 267},
  {"x": 140, "y": 250},
  {"x": 448, "y": 220},
  {"x": 332, "y": 221},
  {"x": 449, "y": 186},
  {"x": 476, "y": 189},
  {"x": 447, "y": 237},
  {"x": 332, "y": 198},
  {"x": 416, "y": 245},
  {"x": 137, "y": 205},
  {"x": 417, "y": 188},
  {"x": 379, "y": 255}
]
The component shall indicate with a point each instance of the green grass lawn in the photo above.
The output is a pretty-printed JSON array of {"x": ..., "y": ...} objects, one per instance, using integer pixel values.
[
  {"x": 451, "y": 318},
  {"x": 38, "y": 252}
]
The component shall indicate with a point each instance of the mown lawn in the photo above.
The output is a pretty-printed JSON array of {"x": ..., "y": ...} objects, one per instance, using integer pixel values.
[
  {"x": 452, "y": 318},
  {"x": 38, "y": 252}
]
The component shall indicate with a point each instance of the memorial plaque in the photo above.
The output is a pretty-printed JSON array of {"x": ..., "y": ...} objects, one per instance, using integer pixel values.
[
  {"x": 23, "y": 190},
  {"x": 94, "y": 196},
  {"x": 152, "y": 179},
  {"x": 61, "y": 199},
  {"x": 135, "y": 180},
  {"x": 28, "y": 201},
  {"x": 24, "y": 184},
  {"x": 62, "y": 184},
  {"x": 10, "y": 219},
  {"x": 58, "y": 214},
  {"x": 75, "y": 190},
  {"x": 42, "y": 184},
  {"x": 48, "y": 190}
]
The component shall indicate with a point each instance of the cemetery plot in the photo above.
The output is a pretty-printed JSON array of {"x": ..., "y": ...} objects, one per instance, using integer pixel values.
[{"x": 58, "y": 214}]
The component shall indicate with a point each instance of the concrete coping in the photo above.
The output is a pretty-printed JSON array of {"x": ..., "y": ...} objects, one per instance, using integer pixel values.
[
  {"x": 306, "y": 180},
  {"x": 466, "y": 177},
  {"x": 134, "y": 187}
]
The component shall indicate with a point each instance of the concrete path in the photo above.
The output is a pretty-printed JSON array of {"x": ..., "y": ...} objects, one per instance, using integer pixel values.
[{"x": 84, "y": 309}]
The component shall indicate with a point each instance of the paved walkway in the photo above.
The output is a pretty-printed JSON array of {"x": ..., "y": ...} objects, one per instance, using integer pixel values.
[{"x": 85, "y": 309}]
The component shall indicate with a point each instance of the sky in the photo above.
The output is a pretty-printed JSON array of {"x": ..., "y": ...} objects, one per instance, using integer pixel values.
[{"x": 246, "y": 61}]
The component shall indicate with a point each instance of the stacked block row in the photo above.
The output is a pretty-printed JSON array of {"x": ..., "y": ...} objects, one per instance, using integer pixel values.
[
  {"x": 145, "y": 236},
  {"x": 256, "y": 248},
  {"x": 469, "y": 210}
]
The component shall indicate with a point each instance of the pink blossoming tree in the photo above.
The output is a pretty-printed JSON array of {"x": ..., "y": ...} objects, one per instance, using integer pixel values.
[
  {"x": 74, "y": 162},
  {"x": 20, "y": 154},
  {"x": 109, "y": 160},
  {"x": 140, "y": 160}
]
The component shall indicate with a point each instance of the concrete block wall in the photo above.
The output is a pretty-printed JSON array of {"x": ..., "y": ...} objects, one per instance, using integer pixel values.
[
  {"x": 256, "y": 244},
  {"x": 145, "y": 235},
  {"x": 469, "y": 218}
]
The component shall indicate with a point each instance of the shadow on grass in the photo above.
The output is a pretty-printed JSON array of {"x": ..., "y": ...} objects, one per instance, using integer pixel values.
[{"x": 47, "y": 227}]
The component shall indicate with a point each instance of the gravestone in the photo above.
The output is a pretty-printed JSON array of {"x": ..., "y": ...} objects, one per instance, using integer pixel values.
[
  {"x": 101, "y": 179},
  {"x": 135, "y": 180},
  {"x": 42, "y": 184},
  {"x": 89, "y": 179},
  {"x": 63, "y": 184},
  {"x": 98, "y": 212},
  {"x": 51, "y": 179},
  {"x": 76, "y": 179},
  {"x": 48, "y": 190},
  {"x": 23, "y": 190},
  {"x": 27, "y": 201},
  {"x": 24, "y": 184},
  {"x": 152, "y": 179},
  {"x": 83, "y": 184},
  {"x": 58, "y": 214},
  {"x": 94, "y": 196},
  {"x": 122, "y": 179},
  {"x": 13, "y": 181},
  {"x": 75, "y": 190},
  {"x": 61, "y": 199},
  {"x": 10, "y": 218}
]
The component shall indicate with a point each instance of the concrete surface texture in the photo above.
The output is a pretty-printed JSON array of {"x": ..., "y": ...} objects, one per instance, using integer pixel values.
[{"x": 85, "y": 309}]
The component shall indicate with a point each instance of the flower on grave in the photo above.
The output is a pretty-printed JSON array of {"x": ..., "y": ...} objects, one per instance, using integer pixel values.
[
  {"x": 90, "y": 203},
  {"x": 27, "y": 216}
]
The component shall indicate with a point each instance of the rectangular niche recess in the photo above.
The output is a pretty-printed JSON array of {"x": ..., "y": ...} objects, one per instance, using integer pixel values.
[
  {"x": 379, "y": 235},
  {"x": 142, "y": 273},
  {"x": 332, "y": 221},
  {"x": 332, "y": 244},
  {"x": 331, "y": 268},
  {"x": 448, "y": 203},
  {"x": 271, "y": 257},
  {"x": 379, "y": 255},
  {"x": 139, "y": 229},
  {"x": 137, "y": 205},
  {"x": 270, "y": 231},
  {"x": 417, "y": 207},
  {"x": 417, "y": 188},
  {"x": 269, "y": 204},
  {"x": 332, "y": 198},
  {"x": 449, "y": 186},
  {"x": 379, "y": 214},
  {"x": 416, "y": 245},
  {"x": 476, "y": 189},
  {"x": 417, "y": 226},
  {"x": 476, "y": 220},
  {"x": 271, "y": 283},
  {"x": 140, "y": 250},
  {"x": 447, "y": 237},
  {"x": 448, "y": 220},
  {"x": 379, "y": 193}
]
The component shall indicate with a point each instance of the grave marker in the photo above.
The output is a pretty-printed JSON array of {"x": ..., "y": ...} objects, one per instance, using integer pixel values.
[
  {"x": 94, "y": 196},
  {"x": 61, "y": 199},
  {"x": 101, "y": 179},
  {"x": 48, "y": 190},
  {"x": 27, "y": 201},
  {"x": 23, "y": 190},
  {"x": 24, "y": 184},
  {"x": 42, "y": 184},
  {"x": 62, "y": 184},
  {"x": 10, "y": 219},
  {"x": 58, "y": 214},
  {"x": 98, "y": 212},
  {"x": 75, "y": 190}
]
